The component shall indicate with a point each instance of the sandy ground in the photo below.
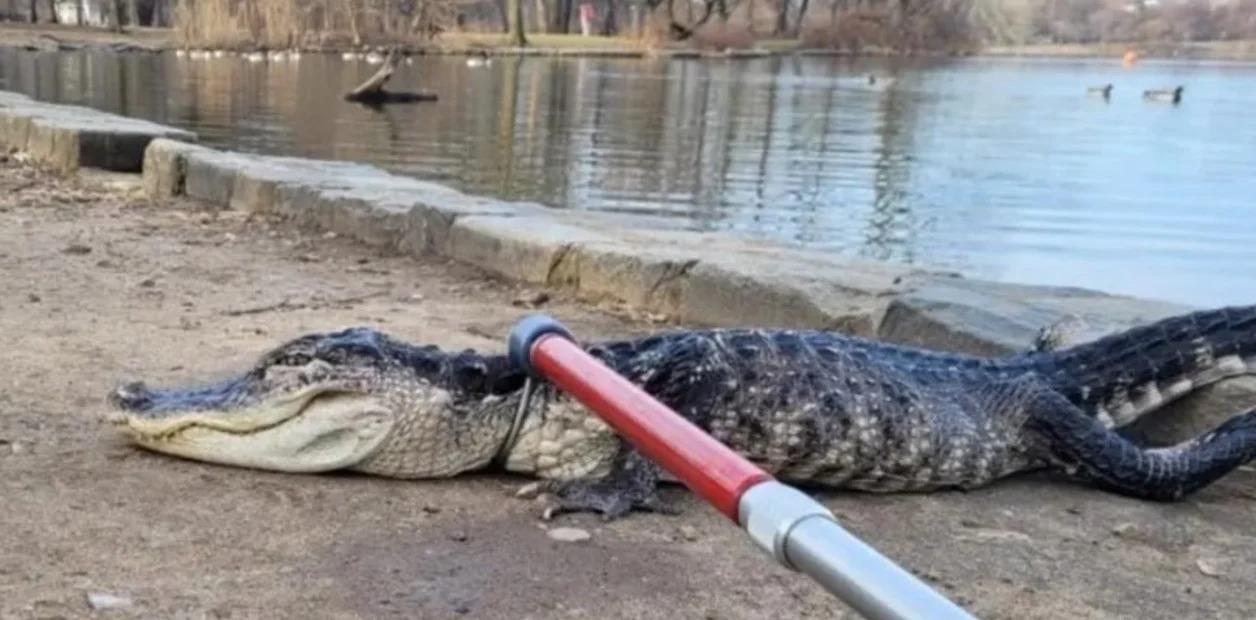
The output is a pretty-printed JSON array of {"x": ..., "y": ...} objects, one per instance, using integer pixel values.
[{"x": 100, "y": 286}]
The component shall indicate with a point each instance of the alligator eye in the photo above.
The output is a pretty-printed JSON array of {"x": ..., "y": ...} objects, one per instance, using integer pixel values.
[{"x": 293, "y": 359}]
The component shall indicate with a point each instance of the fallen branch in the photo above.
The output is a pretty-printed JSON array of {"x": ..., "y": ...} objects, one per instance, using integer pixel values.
[
  {"x": 371, "y": 92},
  {"x": 314, "y": 304}
]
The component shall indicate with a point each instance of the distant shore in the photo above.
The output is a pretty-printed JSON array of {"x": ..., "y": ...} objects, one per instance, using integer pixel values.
[
  {"x": 52, "y": 37},
  {"x": 1244, "y": 50}
]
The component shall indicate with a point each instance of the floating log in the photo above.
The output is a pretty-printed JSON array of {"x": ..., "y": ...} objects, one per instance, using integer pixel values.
[
  {"x": 371, "y": 92},
  {"x": 384, "y": 97}
]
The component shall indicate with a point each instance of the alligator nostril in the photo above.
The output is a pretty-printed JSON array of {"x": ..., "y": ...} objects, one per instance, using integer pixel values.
[{"x": 133, "y": 395}]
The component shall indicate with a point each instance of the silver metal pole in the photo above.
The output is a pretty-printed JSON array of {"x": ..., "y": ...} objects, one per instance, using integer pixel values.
[{"x": 804, "y": 536}]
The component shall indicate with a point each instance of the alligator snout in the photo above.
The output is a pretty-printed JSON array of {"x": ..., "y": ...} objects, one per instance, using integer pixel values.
[{"x": 133, "y": 396}]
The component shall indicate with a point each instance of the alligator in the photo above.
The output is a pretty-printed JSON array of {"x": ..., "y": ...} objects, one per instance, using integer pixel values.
[{"x": 813, "y": 408}]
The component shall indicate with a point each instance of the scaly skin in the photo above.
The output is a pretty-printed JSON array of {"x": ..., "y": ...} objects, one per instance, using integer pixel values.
[{"x": 812, "y": 408}]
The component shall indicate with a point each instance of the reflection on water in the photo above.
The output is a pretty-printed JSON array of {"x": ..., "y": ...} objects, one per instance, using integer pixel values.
[{"x": 1002, "y": 169}]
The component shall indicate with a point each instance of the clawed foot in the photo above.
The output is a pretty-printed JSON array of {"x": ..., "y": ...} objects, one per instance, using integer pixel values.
[
  {"x": 602, "y": 497},
  {"x": 630, "y": 484}
]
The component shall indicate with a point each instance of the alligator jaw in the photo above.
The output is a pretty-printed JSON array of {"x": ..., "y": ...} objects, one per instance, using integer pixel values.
[
  {"x": 308, "y": 431},
  {"x": 133, "y": 410}
]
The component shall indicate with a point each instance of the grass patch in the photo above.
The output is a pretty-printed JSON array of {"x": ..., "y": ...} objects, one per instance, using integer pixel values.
[{"x": 459, "y": 40}]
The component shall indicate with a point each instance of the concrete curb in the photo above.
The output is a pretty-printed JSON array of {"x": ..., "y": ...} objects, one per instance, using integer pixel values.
[
  {"x": 69, "y": 137},
  {"x": 689, "y": 277},
  {"x": 693, "y": 278}
]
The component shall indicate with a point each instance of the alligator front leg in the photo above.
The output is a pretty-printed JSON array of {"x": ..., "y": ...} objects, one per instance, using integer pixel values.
[
  {"x": 681, "y": 374},
  {"x": 631, "y": 484}
]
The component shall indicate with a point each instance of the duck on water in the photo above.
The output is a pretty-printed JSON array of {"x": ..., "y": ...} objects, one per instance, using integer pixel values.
[{"x": 1173, "y": 95}]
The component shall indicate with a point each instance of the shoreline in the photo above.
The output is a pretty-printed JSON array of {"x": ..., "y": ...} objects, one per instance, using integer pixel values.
[{"x": 51, "y": 37}]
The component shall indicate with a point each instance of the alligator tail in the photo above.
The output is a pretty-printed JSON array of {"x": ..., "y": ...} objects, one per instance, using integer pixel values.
[
  {"x": 1124, "y": 376},
  {"x": 1099, "y": 455}
]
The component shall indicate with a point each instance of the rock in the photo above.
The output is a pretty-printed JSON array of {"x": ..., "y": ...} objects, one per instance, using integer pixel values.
[
  {"x": 531, "y": 299},
  {"x": 534, "y": 250},
  {"x": 102, "y": 601},
  {"x": 210, "y": 175},
  {"x": 991, "y": 318},
  {"x": 644, "y": 272},
  {"x": 569, "y": 534},
  {"x": 165, "y": 167},
  {"x": 1209, "y": 566},
  {"x": 77, "y": 249},
  {"x": 760, "y": 284},
  {"x": 688, "y": 532}
]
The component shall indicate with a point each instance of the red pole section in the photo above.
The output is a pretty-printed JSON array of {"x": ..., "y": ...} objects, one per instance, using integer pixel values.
[
  {"x": 798, "y": 531},
  {"x": 709, "y": 468}
]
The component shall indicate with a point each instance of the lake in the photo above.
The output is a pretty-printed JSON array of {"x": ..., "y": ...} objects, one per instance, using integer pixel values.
[{"x": 1002, "y": 169}]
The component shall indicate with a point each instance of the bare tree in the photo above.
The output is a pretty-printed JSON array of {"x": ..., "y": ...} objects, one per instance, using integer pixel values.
[
  {"x": 115, "y": 15},
  {"x": 517, "y": 36}
]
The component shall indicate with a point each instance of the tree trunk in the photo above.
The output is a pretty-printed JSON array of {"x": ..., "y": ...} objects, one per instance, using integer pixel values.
[
  {"x": 115, "y": 15},
  {"x": 562, "y": 16},
  {"x": 610, "y": 25},
  {"x": 355, "y": 29},
  {"x": 503, "y": 7},
  {"x": 782, "y": 18},
  {"x": 802, "y": 14},
  {"x": 898, "y": 13},
  {"x": 132, "y": 13},
  {"x": 542, "y": 17},
  {"x": 517, "y": 37}
]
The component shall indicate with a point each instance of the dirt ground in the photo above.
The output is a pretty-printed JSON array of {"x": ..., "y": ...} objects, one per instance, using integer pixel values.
[{"x": 101, "y": 286}]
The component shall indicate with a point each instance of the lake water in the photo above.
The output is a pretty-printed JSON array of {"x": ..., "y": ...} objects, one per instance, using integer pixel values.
[{"x": 999, "y": 168}]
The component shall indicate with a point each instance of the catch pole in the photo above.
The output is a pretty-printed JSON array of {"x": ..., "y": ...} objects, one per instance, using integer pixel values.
[{"x": 799, "y": 532}]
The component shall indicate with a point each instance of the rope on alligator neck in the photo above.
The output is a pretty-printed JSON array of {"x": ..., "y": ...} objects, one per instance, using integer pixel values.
[{"x": 516, "y": 425}]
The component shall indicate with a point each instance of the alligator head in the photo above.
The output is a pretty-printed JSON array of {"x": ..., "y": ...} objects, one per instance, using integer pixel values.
[{"x": 329, "y": 401}]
